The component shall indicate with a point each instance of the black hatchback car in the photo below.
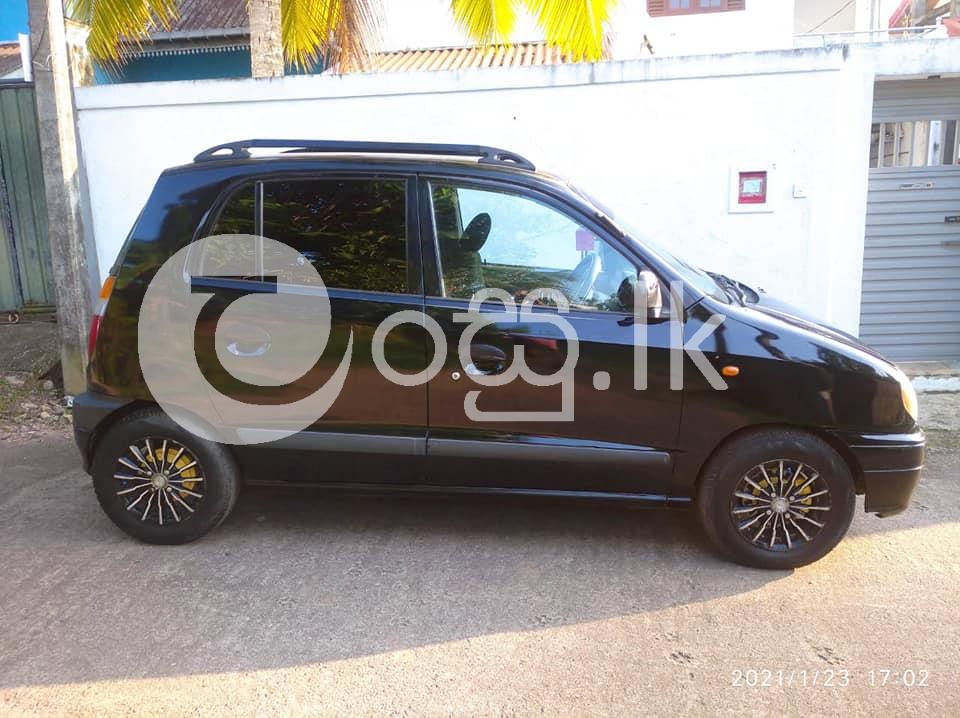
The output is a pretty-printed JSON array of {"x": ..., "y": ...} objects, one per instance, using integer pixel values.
[{"x": 804, "y": 417}]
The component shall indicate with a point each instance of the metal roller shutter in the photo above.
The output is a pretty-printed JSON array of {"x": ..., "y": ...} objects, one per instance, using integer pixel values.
[{"x": 911, "y": 270}]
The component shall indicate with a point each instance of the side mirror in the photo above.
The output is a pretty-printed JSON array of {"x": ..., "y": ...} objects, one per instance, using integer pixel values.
[{"x": 633, "y": 291}]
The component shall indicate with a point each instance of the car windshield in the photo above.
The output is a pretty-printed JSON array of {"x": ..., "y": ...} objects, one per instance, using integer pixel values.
[{"x": 688, "y": 273}]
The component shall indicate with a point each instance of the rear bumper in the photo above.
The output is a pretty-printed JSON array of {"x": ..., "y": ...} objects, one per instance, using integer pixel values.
[
  {"x": 891, "y": 465},
  {"x": 89, "y": 411}
]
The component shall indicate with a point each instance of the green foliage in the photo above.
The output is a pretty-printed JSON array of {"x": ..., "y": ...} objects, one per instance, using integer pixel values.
[{"x": 344, "y": 31}]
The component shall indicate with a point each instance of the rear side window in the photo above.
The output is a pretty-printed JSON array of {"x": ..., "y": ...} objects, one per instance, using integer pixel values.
[{"x": 353, "y": 231}]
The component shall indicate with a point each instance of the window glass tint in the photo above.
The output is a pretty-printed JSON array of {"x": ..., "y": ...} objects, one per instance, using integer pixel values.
[
  {"x": 353, "y": 231},
  {"x": 493, "y": 239},
  {"x": 236, "y": 217}
]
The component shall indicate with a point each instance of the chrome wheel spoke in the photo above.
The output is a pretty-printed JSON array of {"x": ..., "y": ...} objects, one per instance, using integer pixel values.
[
  {"x": 757, "y": 486},
  {"x": 751, "y": 522},
  {"x": 750, "y": 497},
  {"x": 786, "y": 532},
  {"x": 763, "y": 528},
  {"x": 176, "y": 457},
  {"x": 814, "y": 495},
  {"x": 747, "y": 510},
  {"x": 139, "y": 455},
  {"x": 152, "y": 457},
  {"x": 806, "y": 484},
  {"x": 797, "y": 527},
  {"x": 137, "y": 500},
  {"x": 183, "y": 468},
  {"x": 807, "y": 518},
  {"x": 133, "y": 467},
  {"x": 135, "y": 488},
  {"x": 166, "y": 497},
  {"x": 182, "y": 502},
  {"x": 149, "y": 504}
]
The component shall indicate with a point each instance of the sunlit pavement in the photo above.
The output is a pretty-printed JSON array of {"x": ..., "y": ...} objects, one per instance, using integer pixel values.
[{"x": 354, "y": 606}]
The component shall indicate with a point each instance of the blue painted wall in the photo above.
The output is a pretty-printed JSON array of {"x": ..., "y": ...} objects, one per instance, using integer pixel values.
[{"x": 199, "y": 66}]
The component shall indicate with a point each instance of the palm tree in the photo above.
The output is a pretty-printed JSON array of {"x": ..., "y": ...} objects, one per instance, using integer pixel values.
[{"x": 343, "y": 31}]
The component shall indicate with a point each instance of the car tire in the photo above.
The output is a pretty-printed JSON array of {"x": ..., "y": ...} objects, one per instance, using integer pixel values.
[
  {"x": 123, "y": 473},
  {"x": 740, "y": 489}
]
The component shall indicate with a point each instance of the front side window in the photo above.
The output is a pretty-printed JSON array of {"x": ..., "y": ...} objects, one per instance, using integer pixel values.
[
  {"x": 501, "y": 240},
  {"x": 353, "y": 231}
]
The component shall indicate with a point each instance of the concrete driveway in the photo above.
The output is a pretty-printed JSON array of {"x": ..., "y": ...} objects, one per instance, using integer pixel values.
[{"x": 307, "y": 603}]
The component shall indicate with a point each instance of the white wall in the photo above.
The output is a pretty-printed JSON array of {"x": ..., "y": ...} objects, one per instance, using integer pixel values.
[
  {"x": 655, "y": 137},
  {"x": 763, "y": 25}
]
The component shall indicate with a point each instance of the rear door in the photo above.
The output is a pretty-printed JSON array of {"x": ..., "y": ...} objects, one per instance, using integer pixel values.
[
  {"x": 360, "y": 233},
  {"x": 594, "y": 432}
]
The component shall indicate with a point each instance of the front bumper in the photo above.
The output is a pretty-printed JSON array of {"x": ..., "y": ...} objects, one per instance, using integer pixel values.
[{"x": 891, "y": 466}]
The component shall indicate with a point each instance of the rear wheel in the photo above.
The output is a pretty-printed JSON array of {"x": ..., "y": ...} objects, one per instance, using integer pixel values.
[
  {"x": 776, "y": 499},
  {"x": 160, "y": 483}
]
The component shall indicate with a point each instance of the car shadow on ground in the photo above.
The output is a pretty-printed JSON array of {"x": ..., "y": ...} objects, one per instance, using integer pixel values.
[{"x": 298, "y": 577}]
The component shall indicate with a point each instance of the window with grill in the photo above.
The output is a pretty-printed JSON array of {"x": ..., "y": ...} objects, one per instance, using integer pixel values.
[
  {"x": 656, "y": 8},
  {"x": 915, "y": 143}
]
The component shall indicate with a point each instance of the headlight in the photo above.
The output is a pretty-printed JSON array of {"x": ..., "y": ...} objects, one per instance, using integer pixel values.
[{"x": 909, "y": 395}]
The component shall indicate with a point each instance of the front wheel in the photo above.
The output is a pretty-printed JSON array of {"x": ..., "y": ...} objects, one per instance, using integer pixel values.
[
  {"x": 776, "y": 499},
  {"x": 160, "y": 483}
]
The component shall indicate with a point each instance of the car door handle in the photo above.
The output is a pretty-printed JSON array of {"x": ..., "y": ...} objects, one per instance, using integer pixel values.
[
  {"x": 487, "y": 360},
  {"x": 474, "y": 370},
  {"x": 246, "y": 350}
]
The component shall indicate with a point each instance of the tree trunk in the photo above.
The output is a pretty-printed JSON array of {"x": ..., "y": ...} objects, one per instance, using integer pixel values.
[
  {"x": 266, "y": 47},
  {"x": 61, "y": 179}
]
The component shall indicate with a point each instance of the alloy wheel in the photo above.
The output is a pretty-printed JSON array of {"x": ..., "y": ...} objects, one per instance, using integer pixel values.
[
  {"x": 780, "y": 505},
  {"x": 159, "y": 480}
]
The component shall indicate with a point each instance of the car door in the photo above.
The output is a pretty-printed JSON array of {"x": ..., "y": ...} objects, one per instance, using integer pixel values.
[
  {"x": 593, "y": 432},
  {"x": 360, "y": 233}
]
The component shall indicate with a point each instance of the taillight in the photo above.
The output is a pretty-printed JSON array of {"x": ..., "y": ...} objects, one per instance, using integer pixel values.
[
  {"x": 105, "y": 291},
  {"x": 94, "y": 331}
]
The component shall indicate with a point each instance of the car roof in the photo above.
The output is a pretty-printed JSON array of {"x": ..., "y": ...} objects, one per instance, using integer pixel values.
[{"x": 408, "y": 163}]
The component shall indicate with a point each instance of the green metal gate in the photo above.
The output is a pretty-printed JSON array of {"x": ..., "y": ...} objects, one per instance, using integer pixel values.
[{"x": 26, "y": 278}]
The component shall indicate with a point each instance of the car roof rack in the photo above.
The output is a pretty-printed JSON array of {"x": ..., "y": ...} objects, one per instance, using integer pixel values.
[{"x": 488, "y": 155}]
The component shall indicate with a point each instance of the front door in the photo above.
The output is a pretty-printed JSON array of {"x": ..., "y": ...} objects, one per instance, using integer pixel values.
[{"x": 592, "y": 432}]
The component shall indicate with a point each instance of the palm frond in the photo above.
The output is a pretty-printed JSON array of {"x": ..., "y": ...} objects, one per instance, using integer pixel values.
[
  {"x": 575, "y": 26},
  {"x": 115, "y": 22},
  {"x": 485, "y": 21},
  {"x": 344, "y": 31}
]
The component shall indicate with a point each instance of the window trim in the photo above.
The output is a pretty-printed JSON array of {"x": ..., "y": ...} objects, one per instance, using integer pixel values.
[
  {"x": 430, "y": 250},
  {"x": 661, "y": 8},
  {"x": 411, "y": 221}
]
